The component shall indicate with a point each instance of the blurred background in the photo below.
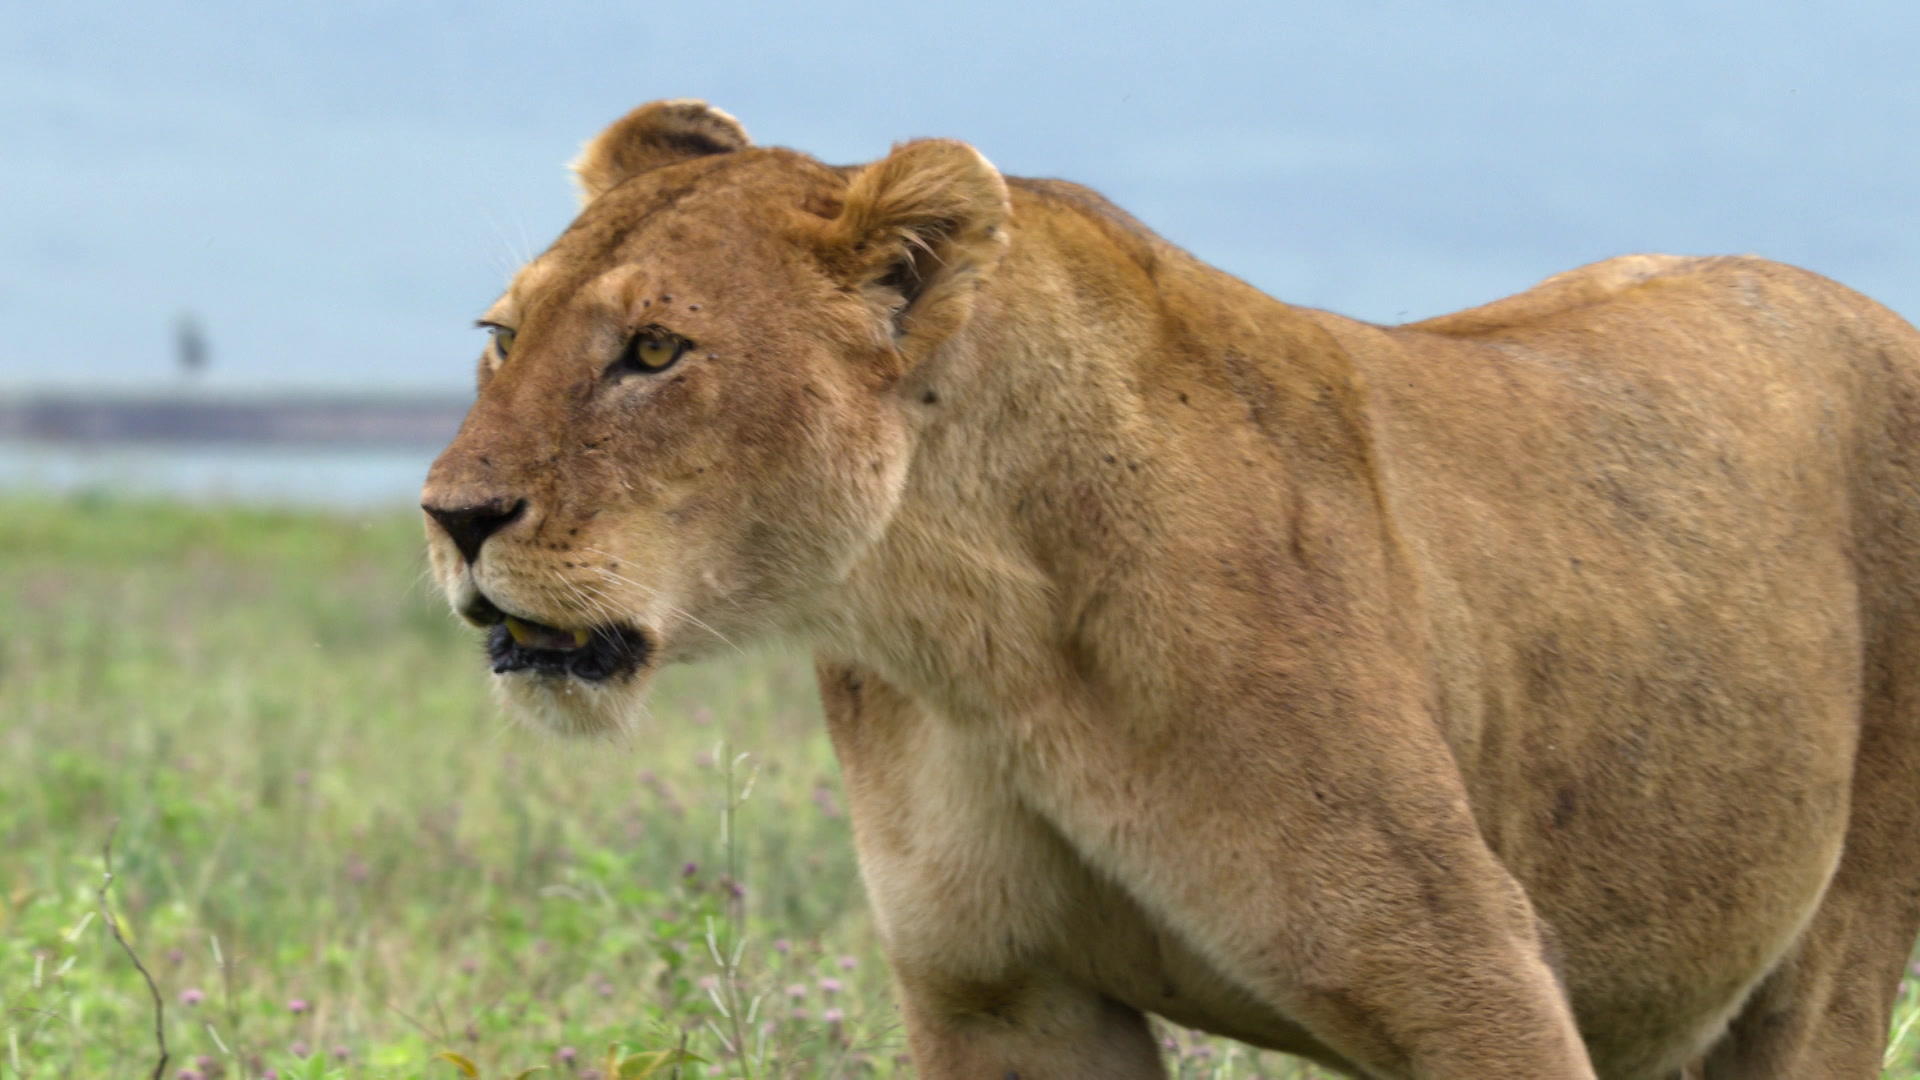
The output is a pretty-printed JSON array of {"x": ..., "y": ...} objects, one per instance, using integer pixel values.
[
  {"x": 241, "y": 249},
  {"x": 268, "y": 199}
]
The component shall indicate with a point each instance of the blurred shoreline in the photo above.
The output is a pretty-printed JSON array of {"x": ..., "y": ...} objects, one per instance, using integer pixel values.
[
  {"x": 337, "y": 422},
  {"x": 354, "y": 452}
]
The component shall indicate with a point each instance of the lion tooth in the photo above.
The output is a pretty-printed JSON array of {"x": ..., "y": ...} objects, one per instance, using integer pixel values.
[{"x": 532, "y": 635}]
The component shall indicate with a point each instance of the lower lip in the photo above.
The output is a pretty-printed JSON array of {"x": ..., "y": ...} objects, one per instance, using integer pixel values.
[{"x": 610, "y": 653}]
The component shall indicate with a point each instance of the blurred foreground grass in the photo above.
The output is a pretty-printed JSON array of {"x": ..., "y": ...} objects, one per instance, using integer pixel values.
[
  {"x": 296, "y": 739},
  {"x": 338, "y": 860}
]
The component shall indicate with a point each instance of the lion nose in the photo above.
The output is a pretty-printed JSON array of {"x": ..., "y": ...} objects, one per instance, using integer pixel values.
[{"x": 469, "y": 526}]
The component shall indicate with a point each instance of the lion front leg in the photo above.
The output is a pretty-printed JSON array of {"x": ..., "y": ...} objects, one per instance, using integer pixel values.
[
  {"x": 1025, "y": 1029},
  {"x": 1350, "y": 893},
  {"x": 973, "y": 895}
]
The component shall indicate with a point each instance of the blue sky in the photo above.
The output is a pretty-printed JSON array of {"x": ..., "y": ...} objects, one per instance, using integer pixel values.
[{"x": 337, "y": 190}]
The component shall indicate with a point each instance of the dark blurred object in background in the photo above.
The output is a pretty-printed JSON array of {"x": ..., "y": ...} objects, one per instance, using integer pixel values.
[{"x": 190, "y": 345}]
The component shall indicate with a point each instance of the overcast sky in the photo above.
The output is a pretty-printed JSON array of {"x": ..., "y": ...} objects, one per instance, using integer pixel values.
[{"x": 336, "y": 190}]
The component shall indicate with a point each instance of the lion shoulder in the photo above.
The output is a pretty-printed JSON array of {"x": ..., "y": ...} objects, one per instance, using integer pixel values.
[{"x": 1581, "y": 287}]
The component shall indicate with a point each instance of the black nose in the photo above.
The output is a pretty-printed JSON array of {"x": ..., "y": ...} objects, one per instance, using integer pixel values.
[{"x": 469, "y": 526}]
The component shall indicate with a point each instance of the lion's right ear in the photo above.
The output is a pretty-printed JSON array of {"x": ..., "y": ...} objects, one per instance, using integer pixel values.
[
  {"x": 918, "y": 231},
  {"x": 655, "y": 134}
]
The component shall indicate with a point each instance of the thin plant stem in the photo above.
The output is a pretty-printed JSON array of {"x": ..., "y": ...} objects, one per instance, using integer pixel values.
[{"x": 113, "y": 925}]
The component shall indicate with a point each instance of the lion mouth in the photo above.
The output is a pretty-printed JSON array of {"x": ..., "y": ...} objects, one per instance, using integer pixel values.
[{"x": 516, "y": 644}]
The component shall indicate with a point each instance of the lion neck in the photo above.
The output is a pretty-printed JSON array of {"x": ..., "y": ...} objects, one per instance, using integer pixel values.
[
  {"x": 1053, "y": 471},
  {"x": 956, "y": 601}
]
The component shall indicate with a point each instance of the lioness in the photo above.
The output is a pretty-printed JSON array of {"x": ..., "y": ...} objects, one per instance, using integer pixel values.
[{"x": 1527, "y": 692}]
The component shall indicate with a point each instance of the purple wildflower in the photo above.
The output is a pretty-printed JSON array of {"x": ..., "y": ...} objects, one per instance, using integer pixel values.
[{"x": 823, "y": 798}]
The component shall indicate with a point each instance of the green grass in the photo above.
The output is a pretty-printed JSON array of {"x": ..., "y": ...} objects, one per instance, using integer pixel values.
[{"x": 337, "y": 859}]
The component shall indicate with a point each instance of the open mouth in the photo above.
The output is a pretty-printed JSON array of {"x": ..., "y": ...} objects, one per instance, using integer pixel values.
[{"x": 517, "y": 644}]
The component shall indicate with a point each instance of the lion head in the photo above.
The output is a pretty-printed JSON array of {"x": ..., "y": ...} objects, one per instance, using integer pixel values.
[{"x": 689, "y": 418}]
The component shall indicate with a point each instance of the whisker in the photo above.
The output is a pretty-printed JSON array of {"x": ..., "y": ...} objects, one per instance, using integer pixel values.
[
  {"x": 598, "y": 604},
  {"x": 654, "y": 594}
]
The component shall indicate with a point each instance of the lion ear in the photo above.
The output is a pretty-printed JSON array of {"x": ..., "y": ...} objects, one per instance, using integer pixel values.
[
  {"x": 655, "y": 134},
  {"x": 918, "y": 232}
]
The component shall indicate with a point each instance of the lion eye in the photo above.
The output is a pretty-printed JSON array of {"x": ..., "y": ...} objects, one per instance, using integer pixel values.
[
  {"x": 651, "y": 351},
  {"x": 502, "y": 340}
]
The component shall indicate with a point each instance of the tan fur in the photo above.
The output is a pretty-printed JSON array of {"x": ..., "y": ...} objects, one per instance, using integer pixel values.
[
  {"x": 1400, "y": 697},
  {"x": 655, "y": 134}
]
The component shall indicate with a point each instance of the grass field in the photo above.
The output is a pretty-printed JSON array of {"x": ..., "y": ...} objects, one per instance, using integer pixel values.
[{"x": 338, "y": 860}]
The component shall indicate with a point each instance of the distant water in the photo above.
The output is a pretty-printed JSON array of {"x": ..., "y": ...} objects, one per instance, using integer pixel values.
[{"x": 284, "y": 476}]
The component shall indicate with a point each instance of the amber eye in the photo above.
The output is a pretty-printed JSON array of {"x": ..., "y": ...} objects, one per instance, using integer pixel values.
[
  {"x": 502, "y": 340},
  {"x": 651, "y": 351}
]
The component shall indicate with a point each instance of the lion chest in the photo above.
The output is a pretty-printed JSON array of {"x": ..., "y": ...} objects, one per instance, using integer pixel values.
[{"x": 981, "y": 901}]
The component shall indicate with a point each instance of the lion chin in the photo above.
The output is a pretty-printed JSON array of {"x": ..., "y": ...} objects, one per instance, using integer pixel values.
[
  {"x": 572, "y": 707},
  {"x": 584, "y": 679}
]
